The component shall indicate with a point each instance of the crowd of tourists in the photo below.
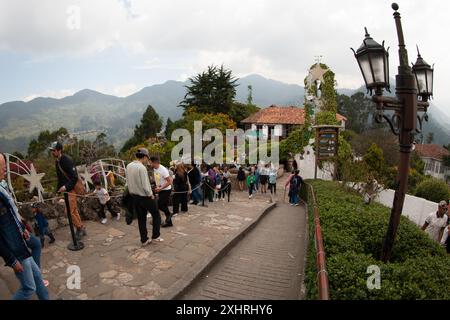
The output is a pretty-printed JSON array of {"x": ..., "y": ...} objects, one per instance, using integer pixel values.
[{"x": 151, "y": 188}]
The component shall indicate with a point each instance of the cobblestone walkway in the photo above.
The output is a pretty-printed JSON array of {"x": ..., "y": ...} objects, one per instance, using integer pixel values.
[{"x": 114, "y": 266}]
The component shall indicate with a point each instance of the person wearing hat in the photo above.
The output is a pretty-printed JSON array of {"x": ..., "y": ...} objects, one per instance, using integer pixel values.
[
  {"x": 139, "y": 188},
  {"x": 436, "y": 222},
  {"x": 42, "y": 225},
  {"x": 68, "y": 181}
]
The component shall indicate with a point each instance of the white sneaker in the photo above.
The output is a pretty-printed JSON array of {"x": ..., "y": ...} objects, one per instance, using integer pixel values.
[
  {"x": 173, "y": 216},
  {"x": 149, "y": 215},
  {"x": 146, "y": 243},
  {"x": 104, "y": 221},
  {"x": 118, "y": 216},
  {"x": 251, "y": 196},
  {"x": 158, "y": 239},
  {"x": 296, "y": 204}
]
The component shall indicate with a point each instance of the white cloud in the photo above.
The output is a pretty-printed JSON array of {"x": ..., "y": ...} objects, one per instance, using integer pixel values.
[
  {"x": 277, "y": 39},
  {"x": 125, "y": 90}
]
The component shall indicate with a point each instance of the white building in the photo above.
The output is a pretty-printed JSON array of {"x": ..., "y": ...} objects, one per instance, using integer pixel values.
[{"x": 432, "y": 155}]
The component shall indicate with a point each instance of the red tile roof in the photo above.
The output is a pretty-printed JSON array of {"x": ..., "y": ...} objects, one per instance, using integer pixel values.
[
  {"x": 281, "y": 115},
  {"x": 431, "y": 151}
]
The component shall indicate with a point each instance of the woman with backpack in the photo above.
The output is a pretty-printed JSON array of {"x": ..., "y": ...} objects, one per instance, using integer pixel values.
[{"x": 294, "y": 183}]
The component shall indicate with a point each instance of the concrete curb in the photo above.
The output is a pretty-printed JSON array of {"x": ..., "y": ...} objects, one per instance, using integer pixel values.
[{"x": 201, "y": 267}]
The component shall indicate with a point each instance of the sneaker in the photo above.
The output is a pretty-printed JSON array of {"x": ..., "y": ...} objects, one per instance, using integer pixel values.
[
  {"x": 297, "y": 204},
  {"x": 146, "y": 243},
  {"x": 104, "y": 221},
  {"x": 149, "y": 215},
  {"x": 118, "y": 216},
  {"x": 251, "y": 196},
  {"x": 166, "y": 225},
  {"x": 174, "y": 215},
  {"x": 159, "y": 239}
]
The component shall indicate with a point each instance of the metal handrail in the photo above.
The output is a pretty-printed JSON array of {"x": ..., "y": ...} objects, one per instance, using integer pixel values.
[{"x": 322, "y": 273}]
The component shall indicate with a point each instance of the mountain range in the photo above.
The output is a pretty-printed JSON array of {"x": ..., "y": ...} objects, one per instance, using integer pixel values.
[{"x": 88, "y": 110}]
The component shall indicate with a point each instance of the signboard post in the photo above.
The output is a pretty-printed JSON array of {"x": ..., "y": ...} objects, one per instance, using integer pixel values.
[{"x": 327, "y": 144}]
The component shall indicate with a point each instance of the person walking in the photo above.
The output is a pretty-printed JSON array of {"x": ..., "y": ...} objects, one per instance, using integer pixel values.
[
  {"x": 264, "y": 178},
  {"x": 241, "y": 178},
  {"x": 257, "y": 177},
  {"x": 251, "y": 184},
  {"x": 273, "y": 180},
  {"x": 181, "y": 189},
  {"x": 217, "y": 183},
  {"x": 226, "y": 183},
  {"x": 436, "y": 222},
  {"x": 139, "y": 188},
  {"x": 42, "y": 226},
  {"x": 105, "y": 201},
  {"x": 14, "y": 248},
  {"x": 68, "y": 181},
  {"x": 163, "y": 189},
  {"x": 195, "y": 180},
  {"x": 294, "y": 184}
]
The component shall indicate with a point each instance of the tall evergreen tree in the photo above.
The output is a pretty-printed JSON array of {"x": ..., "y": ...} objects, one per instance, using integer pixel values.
[
  {"x": 150, "y": 126},
  {"x": 212, "y": 91}
]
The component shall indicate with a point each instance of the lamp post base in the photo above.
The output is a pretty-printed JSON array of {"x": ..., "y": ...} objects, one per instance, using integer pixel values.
[{"x": 79, "y": 246}]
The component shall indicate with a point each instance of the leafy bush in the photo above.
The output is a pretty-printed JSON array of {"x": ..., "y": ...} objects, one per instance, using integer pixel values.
[
  {"x": 433, "y": 189},
  {"x": 353, "y": 235}
]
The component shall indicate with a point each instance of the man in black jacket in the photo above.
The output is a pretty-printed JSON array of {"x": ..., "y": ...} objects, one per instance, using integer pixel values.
[
  {"x": 195, "y": 179},
  {"x": 67, "y": 180}
]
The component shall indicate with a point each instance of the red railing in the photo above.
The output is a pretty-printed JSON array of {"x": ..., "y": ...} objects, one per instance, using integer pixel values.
[{"x": 322, "y": 274}]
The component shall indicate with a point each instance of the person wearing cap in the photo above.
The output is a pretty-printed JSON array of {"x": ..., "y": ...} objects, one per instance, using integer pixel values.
[
  {"x": 436, "y": 222},
  {"x": 139, "y": 187},
  {"x": 69, "y": 182}
]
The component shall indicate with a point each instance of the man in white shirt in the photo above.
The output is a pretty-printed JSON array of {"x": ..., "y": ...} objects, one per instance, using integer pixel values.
[
  {"x": 139, "y": 188},
  {"x": 436, "y": 222},
  {"x": 163, "y": 181}
]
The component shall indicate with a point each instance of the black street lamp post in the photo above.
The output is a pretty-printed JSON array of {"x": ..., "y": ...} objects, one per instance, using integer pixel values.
[{"x": 414, "y": 87}]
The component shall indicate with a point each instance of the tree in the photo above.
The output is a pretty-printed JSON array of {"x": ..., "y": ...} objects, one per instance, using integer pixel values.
[
  {"x": 38, "y": 147},
  {"x": 430, "y": 138},
  {"x": 169, "y": 128},
  {"x": 212, "y": 91},
  {"x": 357, "y": 109},
  {"x": 240, "y": 111},
  {"x": 433, "y": 189},
  {"x": 250, "y": 95},
  {"x": 375, "y": 160},
  {"x": 149, "y": 126},
  {"x": 384, "y": 139},
  {"x": 326, "y": 117},
  {"x": 295, "y": 143}
]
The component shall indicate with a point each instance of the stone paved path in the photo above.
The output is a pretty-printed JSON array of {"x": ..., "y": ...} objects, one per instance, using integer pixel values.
[
  {"x": 267, "y": 264},
  {"x": 114, "y": 266}
]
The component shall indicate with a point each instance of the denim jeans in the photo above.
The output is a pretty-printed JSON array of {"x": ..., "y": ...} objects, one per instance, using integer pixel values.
[
  {"x": 35, "y": 246},
  {"x": 30, "y": 281},
  {"x": 294, "y": 198},
  {"x": 197, "y": 194}
]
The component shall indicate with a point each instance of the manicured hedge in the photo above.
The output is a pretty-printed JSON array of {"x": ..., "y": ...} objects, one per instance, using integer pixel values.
[{"x": 353, "y": 234}]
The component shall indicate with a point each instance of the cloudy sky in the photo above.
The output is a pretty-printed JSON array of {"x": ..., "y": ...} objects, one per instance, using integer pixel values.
[{"x": 57, "y": 47}]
